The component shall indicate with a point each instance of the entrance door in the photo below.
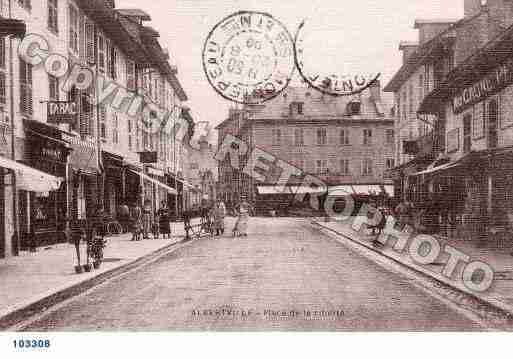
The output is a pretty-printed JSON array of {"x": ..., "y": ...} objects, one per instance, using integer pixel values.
[{"x": 493, "y": 137}]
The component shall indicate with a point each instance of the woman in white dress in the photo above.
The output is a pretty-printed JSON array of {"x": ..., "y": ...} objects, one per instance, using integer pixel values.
[{"x": 243, "y": 218}]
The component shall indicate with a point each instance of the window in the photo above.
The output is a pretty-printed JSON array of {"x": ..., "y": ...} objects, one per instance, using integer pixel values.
[
  {"x": 155, "y": 89},
  {"x": 276, "y": 136},
  {"x": 322, "y": 138},
  {"x": 399, "y": 107},
  {"x": 493, "y": 124},
  {"x": 102, "y": 53},
  {"x": 112, "y": 64},
  {"x": 73, "y": 28},
  {"x": 115, "y": 128},
  {"x": 344, "y": 137},
  {"x": 300, "y": 108},
  {"x": 322, "y": 166},
  {"x": 390, "y": 163},
  {"x": 130, "y": 138},
  {"x": 344, "y": 167},
  {"x": 26, "y": 102},
  {"x": 53, "y": 15},
  {"x": 130, "y": 75},
  {"x": 354, "y": 108},
  {"x": 390, "y": 134},
  {"x": 411, "y": 99},
  {"x": 367, "y": 167},
  {"x": 467, "y": 133},
  {"x": 2, "y": 72},
  {"x": 299, "y": 137},
  {"x": 26, "y": 4},
  {"x": 54, "y": 88},
  {"x": 421, "y": 87},
  {"x": 90, "y": 34},
  {"x": 103, "y": 123},
  {"x": 405, "y": 105},
  {"x": 367, "y": 137}
]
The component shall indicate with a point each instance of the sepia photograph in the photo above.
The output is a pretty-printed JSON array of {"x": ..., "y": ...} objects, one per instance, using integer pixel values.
[{"x": 240, "y": 166}]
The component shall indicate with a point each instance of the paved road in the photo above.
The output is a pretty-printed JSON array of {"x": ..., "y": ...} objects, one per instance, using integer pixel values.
[{"x": 285, "y": 276}]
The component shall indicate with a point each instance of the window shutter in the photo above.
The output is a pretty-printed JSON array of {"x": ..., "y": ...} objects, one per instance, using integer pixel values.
[
  {"x": 130, "y": 75},
  {"x": 2, "y": 88},
  {"x": 90, "y": 42}
]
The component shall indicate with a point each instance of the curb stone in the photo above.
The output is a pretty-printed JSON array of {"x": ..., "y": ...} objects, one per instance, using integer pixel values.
[
  {"x": 502, "y": 308},
  {"x": 39, "y": 306}
]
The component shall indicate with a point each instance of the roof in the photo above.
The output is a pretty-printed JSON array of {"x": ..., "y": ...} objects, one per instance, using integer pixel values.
[
  {"x": 316, "y": 105},
  {"x": 495, "y": 52},
  {"x": 426, "y": 51},
  {"x": 144, "y": 16},
  {"x": 419, "y": 22}
]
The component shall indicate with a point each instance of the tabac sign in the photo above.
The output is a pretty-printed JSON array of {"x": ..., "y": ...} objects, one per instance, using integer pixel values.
[
  {"x": 499, "y": 78},
  {"x": 62, "y": 112}
]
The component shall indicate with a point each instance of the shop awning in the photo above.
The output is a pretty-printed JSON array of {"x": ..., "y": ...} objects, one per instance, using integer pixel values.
[
  {"x": 270, "y": 190},
  {"x": 340, "y": 190},
  {"x": 158, "y": 183},
  {"x": 438, "y": 168},
  {"x": 182, "y": 181},
  {"x": 30, "y": 179},
  {"x": 367, "y": 189}
]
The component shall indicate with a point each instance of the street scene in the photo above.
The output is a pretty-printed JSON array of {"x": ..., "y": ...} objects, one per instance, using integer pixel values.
[{"x": 177, "y": 166}]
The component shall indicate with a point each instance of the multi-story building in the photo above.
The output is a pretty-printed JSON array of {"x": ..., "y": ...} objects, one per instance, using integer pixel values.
[
  {"x": 202, "y": 173},
  {"x": 65, "y": 171},
  {"x": 343, "y": 141},
  {"x": 470, "y": 181},
  {"x": 425, "y": 63}
]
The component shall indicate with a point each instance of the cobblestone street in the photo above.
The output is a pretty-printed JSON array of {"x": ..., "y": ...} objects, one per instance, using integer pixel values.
[{"x": 284, "y": 276}]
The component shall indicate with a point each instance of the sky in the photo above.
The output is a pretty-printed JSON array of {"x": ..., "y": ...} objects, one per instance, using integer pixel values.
[{"x": 344, "y": 36}]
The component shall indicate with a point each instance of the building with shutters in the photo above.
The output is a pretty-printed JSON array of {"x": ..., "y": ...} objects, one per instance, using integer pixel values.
[
  {"x": 104, "y": 157},
  {"x": 464, "y": 175},
  {"x": 345, "y": 141}
]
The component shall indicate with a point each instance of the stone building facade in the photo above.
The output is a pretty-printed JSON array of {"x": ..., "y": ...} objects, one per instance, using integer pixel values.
[
  {"x": 97, "y": 155},
  {"x": 346, "y": 141},
  {"x": 469, "y": 178}
]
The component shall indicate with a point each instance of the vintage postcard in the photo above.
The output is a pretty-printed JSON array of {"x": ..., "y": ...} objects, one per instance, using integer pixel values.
[{"x": 255, "y": 166}]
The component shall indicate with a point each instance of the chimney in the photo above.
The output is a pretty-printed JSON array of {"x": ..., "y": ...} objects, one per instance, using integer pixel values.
[
  {"x": 472, "y": 7},
  {"x": 375, "y": 91},
  {"x": 408, "y": 48},
  {"x": 431, "y": 28}
]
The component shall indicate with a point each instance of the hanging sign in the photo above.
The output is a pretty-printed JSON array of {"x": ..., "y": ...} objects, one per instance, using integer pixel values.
[{"x": 62, "y": 112}]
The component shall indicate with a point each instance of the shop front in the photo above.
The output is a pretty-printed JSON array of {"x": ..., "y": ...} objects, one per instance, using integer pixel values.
[
  {"x": 115, "y": 183},
  {"x": 43, "y": 212}
]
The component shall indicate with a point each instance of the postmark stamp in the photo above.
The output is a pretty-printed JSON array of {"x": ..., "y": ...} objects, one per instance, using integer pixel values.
[
  {"x": 345, "y": 82},
  {"x": 248, "y": 57}
]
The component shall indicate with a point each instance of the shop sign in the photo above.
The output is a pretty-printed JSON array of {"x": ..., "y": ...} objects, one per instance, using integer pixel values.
[
  {"x": 148, "y": 157},
  {"x": 490, "y": 84},
  {"x": 155, "y": 172},
  {"x": 61, "y": 112}
]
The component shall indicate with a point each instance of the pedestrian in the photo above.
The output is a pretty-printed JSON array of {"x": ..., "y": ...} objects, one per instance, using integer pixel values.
[
  {"x": 164, "y": 220},
  {"x": 124, "y": 217},
  {"x": 218, "y": 214},
  {"x": 146, "y": 219},
  {"x": 136, "y": 219},
  {"x": 243, "y": 211}
]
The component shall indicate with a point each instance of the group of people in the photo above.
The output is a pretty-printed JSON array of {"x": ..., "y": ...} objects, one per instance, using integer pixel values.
[
  {"x": 218, "y": 214},
  {"x": 141, "y": 222}
]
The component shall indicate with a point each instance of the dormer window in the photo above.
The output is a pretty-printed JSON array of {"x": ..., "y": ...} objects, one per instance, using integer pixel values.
[
  {"x": 296, "y": 108},
  {"x": 354, "y": 108}
]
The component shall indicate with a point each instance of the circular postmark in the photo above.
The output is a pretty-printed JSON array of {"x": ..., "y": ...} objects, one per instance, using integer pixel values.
[
  {"x": 248, "y": 57},
  {"x": 345, "y": 81}
]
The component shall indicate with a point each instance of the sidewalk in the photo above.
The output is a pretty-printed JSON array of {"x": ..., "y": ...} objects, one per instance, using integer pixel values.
[
  {"x": 500, "y": 295},
  {"x": 32, "y": 277}
]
